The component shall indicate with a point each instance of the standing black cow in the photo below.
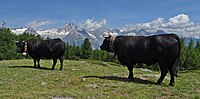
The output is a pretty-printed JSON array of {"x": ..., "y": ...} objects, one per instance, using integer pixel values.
[
  {"x": 53, "y": 48},
  {"x": 163, "y": 49}
]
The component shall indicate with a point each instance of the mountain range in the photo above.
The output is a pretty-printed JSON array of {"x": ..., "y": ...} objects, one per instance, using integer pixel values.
[{"x": 75, "y": 35}]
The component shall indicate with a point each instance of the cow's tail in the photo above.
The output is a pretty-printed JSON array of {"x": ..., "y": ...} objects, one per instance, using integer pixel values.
[{"x": 177, "y": 61}]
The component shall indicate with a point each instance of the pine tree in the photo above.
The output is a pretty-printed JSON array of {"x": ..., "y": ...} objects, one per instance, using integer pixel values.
[
  {"x": 191, "y": 44},
  {"x": 97, "y": 55},
  {"x": 86, "y": 49},
  {"x": 104, "y": 56},
  {"x": 197, "y": 45},
  {"x": 183, "y": 53},
  {"x": 197, "y": 55},
  {"x": 72, "y": 55},
  {"x": 7, "y": 45},
  {"x": 190, "y": 61},
  {"x": 67, "y": 49}
]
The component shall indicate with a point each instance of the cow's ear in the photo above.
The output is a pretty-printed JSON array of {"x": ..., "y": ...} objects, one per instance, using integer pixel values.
[
  {"x": 16, "y": 42},
  {"x": 105, "y": 36}
]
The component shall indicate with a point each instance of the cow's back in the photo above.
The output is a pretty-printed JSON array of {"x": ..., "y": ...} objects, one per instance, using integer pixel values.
[
  {"x": 46, "y": 48},
  {"x": 57, "y": 47},
  {"x": 144, "y": 49},
  {"x": 162, "y": 46}
]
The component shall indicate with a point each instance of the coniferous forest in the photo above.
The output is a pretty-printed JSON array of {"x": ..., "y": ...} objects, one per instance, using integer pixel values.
[{"x": 189, "y": 60}]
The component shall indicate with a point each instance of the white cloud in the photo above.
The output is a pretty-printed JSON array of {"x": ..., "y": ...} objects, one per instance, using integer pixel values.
[
  {"x": 37, "y": 24},
  {"x": 181, "y": 18},
  {"x": 179, "y": 21},
  {"x": 179, "y": 24},
  {"x": 90, "y": 24}
]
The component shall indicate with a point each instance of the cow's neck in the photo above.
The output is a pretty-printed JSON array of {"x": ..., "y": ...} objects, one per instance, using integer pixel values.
[
  {"x": 111, "y": 44},
  {"x": 25, "y": 53}
]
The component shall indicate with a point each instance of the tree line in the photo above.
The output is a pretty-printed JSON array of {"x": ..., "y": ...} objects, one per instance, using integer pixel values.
[
  {"x": 190, "y": 53},
  {"x": 72, "y": 52}
]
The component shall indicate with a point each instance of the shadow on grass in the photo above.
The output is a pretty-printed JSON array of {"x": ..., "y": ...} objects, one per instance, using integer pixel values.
[
  {"x": 42, "y": 68},
  {"x": 123, "y": 79}
]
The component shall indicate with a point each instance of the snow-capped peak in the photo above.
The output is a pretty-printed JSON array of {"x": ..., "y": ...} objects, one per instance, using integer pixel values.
[
  {"x": 23, "y": 30},
  {"x": 68, "y": 27},
  {"x": 94, "y": 30}
]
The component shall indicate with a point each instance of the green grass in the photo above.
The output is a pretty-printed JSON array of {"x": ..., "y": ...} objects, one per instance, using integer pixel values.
[{"x": 90, "y": 79}]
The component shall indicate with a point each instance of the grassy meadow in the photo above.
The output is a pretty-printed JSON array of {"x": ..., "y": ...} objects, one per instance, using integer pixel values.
[{"x": 90, "y": 79}]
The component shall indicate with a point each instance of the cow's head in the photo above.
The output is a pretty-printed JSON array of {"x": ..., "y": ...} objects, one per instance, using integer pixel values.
[
  {"x": 108, "y": 44},
  {"x": 20, "y": 46}
]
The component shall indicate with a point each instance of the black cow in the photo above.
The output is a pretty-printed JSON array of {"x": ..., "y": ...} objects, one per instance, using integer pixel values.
[
  {"x": 53, "y": 48},
  {"x": 163, "y": 49}
]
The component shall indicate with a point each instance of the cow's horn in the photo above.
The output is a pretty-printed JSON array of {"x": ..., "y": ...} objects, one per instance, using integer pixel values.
[
  {"x": 105, "y": 36},
  {"x": 109, "y": 32},
  {"x": 109, "y": 35}
]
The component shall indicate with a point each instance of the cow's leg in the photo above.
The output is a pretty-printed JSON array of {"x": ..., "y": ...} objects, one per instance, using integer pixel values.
[
  {"x": 164, "y": 71},
  {"x": 172, "y": 73},
  {"x": 34, "y": 62},
  {"x": 38, "y": 61},
  {"x": 130, "y": 68},
  {"x": 54, "y": 63},
  {"x": 61, "y": 63}
]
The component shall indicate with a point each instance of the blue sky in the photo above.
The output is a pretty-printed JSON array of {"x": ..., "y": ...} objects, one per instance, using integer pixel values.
[{"x": 118, "y": 13}]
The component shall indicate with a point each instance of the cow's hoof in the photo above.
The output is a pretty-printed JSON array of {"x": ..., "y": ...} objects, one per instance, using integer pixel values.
[
  {"x": 61, "y": 68},
  {"x": 157, "y": 83},
  {"x": 171, "y": 84},
  {"x": 130, "y": 78}
]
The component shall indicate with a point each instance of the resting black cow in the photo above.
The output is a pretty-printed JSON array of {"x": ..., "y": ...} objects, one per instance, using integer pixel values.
[
  {"x": 163, "y": 49},
  {"x": 53, "y": 48}
]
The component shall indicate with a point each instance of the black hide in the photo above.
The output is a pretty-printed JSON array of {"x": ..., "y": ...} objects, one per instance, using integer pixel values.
[
  {"x": 53, "y": 48},
  {"x": 163, "y": 49}
]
